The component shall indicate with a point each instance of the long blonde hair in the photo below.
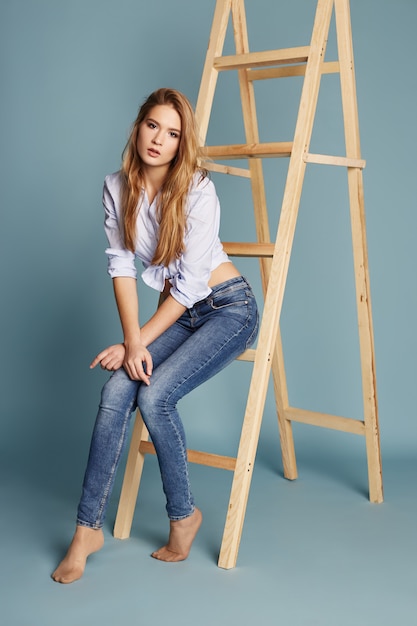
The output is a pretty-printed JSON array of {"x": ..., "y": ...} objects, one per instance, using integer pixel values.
[{"x": 173, "y": 193}]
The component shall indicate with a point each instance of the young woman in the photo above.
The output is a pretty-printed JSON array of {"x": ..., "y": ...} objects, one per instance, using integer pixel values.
[{"x": 161, "y": 208}]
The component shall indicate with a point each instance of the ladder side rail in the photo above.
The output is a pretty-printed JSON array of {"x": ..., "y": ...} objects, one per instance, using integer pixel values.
[
  {"x": 275, "y": 292},
  {"x": 210, "y": 74},
  {"x": 252, "y": 133},
  {"x": 263, "y": 234},
  {"x": 360, "y": 254},
  {"x": 131, "y": 480}
]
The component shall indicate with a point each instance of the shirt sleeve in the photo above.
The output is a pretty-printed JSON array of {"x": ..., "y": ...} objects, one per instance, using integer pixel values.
[
  {"x": 120, "y": 261},
  {"x": 190, "y": 283}
]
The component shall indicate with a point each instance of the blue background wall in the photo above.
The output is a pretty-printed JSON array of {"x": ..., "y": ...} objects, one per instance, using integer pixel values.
[
  {"x": 314, "y": 551},
  {"x": 72, "y": 77}
]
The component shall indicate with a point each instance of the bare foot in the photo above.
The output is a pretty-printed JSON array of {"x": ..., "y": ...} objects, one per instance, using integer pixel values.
[
  {"x": 85, "y": 542},
  {"x": 181, "y": 536}
]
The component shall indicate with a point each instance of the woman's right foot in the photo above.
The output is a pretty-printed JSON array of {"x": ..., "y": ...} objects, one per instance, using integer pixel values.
[
  {"x": 181, "y": 536},
  {"x": 85, "y": 542}
]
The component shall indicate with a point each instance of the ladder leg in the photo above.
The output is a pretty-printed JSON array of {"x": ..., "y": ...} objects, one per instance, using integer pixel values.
[
  {"x": 281, "y": 399},
  {"x": 360, "y": 254},
  {"x": 275, "y": 291},
  {"x": 366, "y": 339},
  {"x": 131, "y": 481},
  {"x": 244, "y": 464},
  {"x": 263, "y": 235}
]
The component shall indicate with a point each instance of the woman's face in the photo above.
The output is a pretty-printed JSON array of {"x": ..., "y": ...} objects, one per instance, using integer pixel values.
[{"x": 159, "y": 137}]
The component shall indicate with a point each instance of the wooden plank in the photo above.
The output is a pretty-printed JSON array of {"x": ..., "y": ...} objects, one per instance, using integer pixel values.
[
  {"x": 225, "y": 169},
  {"x": 275, "y": 293},
  {"x": 262, "y": 59},
  {"x": 286, "y": 436},
  {"x": 360, "y": 250},
  {"x": 131, "y": 481},
  {"x": 248, "y": 355},
  {"x": 324, "y": 159},
  {"x": 246, "y": 249},
  {"x": 195, "y": 456},
  {"x": 329, "y": 67},
  {"x": 325, "y": 420},
  {"x": 210, "y": 74},
  {"x": 249, "y": 150}
]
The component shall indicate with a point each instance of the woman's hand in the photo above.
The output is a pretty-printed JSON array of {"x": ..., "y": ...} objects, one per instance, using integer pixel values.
[
  {"x": 111, "y": 358},
  {"x": 135, "y": 358},
  {"x": 138, "y": 362}
]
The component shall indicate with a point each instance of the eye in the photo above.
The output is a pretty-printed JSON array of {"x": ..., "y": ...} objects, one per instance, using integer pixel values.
[
  {"x": 151, "y": 125},
  {"x": 174, "y": 134}
]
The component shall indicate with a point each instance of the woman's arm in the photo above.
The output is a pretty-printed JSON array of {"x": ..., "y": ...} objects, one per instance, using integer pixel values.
[
  {"x": 133, "y": 353},
  {"x": 137, "y": 360},
  {"x": 166, "y": 314}
]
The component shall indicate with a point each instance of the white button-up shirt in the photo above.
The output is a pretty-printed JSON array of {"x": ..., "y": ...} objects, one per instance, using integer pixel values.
[{"x": 189, "y": 274}]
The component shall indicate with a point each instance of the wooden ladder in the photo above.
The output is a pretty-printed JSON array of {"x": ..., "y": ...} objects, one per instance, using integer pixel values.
[{"x": 308, "y": 61}]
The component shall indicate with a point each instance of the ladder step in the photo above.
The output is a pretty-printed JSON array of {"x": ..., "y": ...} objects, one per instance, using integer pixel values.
[
  {"x": 324, "y": 159},
  {"x": 195, "y": 456},
  {"x": 225, "y": 169},
  {"x": 328, "y": 67},
  {"x": 248, "y": 150},
  {"x": 334, "y": 422},
  {"x": 249, "y": 249},
  {"x": 248, "y": 355},
  {"x": 262, "y": 59}
]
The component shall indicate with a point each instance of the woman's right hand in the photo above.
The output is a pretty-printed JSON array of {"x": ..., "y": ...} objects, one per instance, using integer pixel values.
[{"x": 138, "y": 362}]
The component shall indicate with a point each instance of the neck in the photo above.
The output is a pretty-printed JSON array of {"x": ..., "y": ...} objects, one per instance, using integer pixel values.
[{"x": 154, "y": 179}]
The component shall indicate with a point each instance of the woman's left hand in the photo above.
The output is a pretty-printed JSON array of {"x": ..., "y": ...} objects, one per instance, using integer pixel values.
[{"x": 111, "y": 358}]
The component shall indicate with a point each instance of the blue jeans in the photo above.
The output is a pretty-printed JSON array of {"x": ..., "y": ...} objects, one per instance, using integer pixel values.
[{"x": 202, "y": 342}]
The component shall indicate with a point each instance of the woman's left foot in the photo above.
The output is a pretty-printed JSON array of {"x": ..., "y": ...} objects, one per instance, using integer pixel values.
[
  {"x": 85, "y": 542},
  {"x": 181, "y": 536}
]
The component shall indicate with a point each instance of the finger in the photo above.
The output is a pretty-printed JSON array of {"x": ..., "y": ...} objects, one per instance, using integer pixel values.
[
  {"x": 149, "y": 364},
  {"x": 95, "y": 362},
  {"x": 136, "y": 372},
  {"x": 114, "y": 364},
  {"x": 144, "y": 368},
  {"x": 98, "y": 359},
  {"x": 145, "y": 378}
]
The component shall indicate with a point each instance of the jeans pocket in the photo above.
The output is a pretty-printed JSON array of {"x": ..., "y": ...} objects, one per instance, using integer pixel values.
[
  {"x": 225, "y": 302},
  {"x": 229, "y": 296}
]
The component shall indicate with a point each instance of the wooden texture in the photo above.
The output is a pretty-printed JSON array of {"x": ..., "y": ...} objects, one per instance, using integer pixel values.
[
  {"x": 274, "y": 256},
  {"x": 248, "y": 150},
  {"x": 360, "y": 250},
  {"x": 247, "y": 60},
  {"x": 196, "y": 456},
  {"x": 324, "y": 159},
  {"x": 131, "y": 481}
]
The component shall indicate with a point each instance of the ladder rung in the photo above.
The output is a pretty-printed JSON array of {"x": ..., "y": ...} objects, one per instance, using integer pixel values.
[
  {"x": 249, "y": 249},
  {"x": 246, "y": 151},
  {"x": 262, "y": 59},
  {"x": 195, "y": 456},
  {"x": 335, "y": 422},
  {"x": 329, "y": 67},
  {"x": 324, "y": 159},
  {"x": 225, "y": 169},
  {"x": 248, "y": 355}
]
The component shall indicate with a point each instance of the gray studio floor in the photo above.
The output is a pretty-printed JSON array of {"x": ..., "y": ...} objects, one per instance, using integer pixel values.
[{"x": 314, "y": 551}]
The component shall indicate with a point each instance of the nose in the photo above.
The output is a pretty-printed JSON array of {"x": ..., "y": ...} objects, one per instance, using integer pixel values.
[{"x": 157, "y": 140}]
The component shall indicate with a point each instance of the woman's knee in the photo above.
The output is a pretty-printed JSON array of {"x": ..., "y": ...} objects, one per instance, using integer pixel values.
[
  {"x": 119, "y": 392},
  {"x": 152, "y": 401},
  {"x": 145, "y": 399}
]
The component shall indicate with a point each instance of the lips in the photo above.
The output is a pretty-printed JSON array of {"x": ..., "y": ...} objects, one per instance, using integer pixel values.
[{"x": 154, "y": 153}]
